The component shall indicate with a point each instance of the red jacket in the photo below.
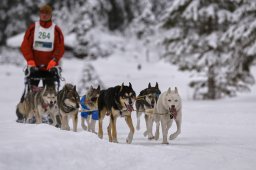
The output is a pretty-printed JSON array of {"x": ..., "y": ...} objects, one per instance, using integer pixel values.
[{"x": 42, "y": 57}]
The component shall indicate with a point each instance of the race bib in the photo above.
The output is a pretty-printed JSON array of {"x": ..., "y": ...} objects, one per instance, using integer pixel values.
[{"x": 43, "y": 38}]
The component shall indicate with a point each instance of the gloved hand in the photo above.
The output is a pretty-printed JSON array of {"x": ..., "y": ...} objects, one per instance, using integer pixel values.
[
  {"x": 31, "y": 63},
  {"x": 51, "y": 64}
]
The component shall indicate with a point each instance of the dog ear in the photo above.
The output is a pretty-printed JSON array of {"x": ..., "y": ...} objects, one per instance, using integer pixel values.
[
  {"x": 156, "y": 85},
  {"x": 176, "y": 90},
  {"x": 74, "y": 88},
  {"x": 45, "y": 87},
  {"x": 121, "y": 87},
  {"x": 90, "y": 88},
  {"x": 98, "y": 88},
  {"x": 149, "y": 85},
  {"x": 130, "y": 85},
  {"x": 169, "y": 90},
  {"x": 66, "y": 86}
]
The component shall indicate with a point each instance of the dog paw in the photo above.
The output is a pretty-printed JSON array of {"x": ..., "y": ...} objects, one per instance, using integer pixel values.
[
  {"x": 145, "y": 133},
  {"x": 156, "y": 137},
  {"x": 165, "y": 142},
  {"x": 150, "y": 137},
  {"x": 84, "y": 128},
  {"x": 115, "y": 141},
  {"x": 128, "y": 141},
  {"x": 94, "y": 132},
  {"x": 57, "y": 126},
  {"x": 173, "y": 136},
  {"x": 100, "y": 136}
]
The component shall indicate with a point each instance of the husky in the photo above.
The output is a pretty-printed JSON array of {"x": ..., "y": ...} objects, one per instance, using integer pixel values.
[
  {"x": 145, "y": 104},
  {"x": 114, "y": 102},
  {"x": 168, "y": 107},
  {"x": 24, "y": 107},
  {"x": 90, "y": 113},
  {"x": 39, "y": 104},
  {"x": 68, "y": 104}
]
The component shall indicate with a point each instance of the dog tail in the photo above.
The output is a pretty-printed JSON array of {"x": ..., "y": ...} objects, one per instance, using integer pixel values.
[{"x": 19, "y": 116}]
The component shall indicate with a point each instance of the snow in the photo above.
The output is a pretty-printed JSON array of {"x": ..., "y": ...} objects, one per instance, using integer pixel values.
[
  {"x": 15, "y": 41},
  {"x": 215, "y": 134},
  {"x": 70, "y": 40}
]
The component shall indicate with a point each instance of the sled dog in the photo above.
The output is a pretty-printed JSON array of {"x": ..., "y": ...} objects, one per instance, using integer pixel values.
[
  {"x": 68, "y": 104},
  {"x": 24, "y": 107},
  {"x": 116, "y": 101},
  {"x": 168, "y": 107},
  {"x": 145, "y": 104},
  {"x": 89, "y": 105},
  {"x": 39, "y": 104}
]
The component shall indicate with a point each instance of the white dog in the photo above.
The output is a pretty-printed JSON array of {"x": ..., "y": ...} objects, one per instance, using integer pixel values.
[{"x": 168, "y": 107}]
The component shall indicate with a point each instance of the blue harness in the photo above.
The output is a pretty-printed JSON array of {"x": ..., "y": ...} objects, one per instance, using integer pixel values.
[{"x": 94, "y": 113}]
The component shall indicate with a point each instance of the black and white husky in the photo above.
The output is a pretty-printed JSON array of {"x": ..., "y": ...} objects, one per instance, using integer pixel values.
[
  {"x": 114, "y": 102},
  {"x": 145, "y": 103}
]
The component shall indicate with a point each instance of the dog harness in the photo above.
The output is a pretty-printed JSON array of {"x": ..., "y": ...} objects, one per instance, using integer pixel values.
[
  {"x": 43, "y": 38},
  {"x": 85, "y": 114}
]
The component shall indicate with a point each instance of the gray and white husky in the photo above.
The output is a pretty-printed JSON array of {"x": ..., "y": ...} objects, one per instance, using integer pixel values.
[
  {"x": 89, "y": 105},
  {"x": 68, "y": 104},
  {"x": 39, "y": 104},
  {"x": 167, "y": 109}
]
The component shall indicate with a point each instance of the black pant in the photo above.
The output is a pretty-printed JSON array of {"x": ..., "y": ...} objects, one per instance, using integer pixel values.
[{"x": 48, "y": 78}]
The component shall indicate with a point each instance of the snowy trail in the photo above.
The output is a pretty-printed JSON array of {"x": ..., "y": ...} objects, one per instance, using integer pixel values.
[{"x": 215, "y": 135}]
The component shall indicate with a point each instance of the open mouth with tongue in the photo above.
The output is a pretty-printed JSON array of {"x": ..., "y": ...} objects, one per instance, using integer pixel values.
[
  {"x": 129, "y": 107},
  {"x": 173, "y": 112}
]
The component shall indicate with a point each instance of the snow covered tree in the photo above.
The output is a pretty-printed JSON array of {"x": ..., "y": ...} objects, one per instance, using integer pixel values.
[
  {"x": 89, "y": 78},
  {"x": 195, "y": 30},
  {"x": 240, "y": 41}
]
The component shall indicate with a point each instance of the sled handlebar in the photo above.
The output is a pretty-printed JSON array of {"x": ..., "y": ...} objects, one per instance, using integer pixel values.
[{"x": 28, "y": 70}]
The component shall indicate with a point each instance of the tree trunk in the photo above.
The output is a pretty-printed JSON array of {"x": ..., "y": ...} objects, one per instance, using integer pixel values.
[{"x": 211, "y": 94}]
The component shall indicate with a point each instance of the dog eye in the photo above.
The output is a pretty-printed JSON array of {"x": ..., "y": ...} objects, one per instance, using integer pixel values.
[
  {"x": 176, "y": 100},
  {"x": 169, "y": 100}
]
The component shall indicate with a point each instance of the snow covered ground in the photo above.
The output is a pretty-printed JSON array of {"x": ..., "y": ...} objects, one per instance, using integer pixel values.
[{"x": 215, "y": 134}]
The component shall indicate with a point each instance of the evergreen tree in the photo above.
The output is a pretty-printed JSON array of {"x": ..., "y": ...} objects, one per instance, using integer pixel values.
[
  {"x": 89, "y": 78},
  {"x": 239, "y": 40},
  {"x": 195, "y": 29}
]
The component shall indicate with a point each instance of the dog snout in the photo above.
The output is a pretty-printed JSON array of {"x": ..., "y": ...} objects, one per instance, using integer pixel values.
[
  {"x": 51, "y": 102},
  {"x": 130, "y": 101},
  {"x": 173, "y": 106}
]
